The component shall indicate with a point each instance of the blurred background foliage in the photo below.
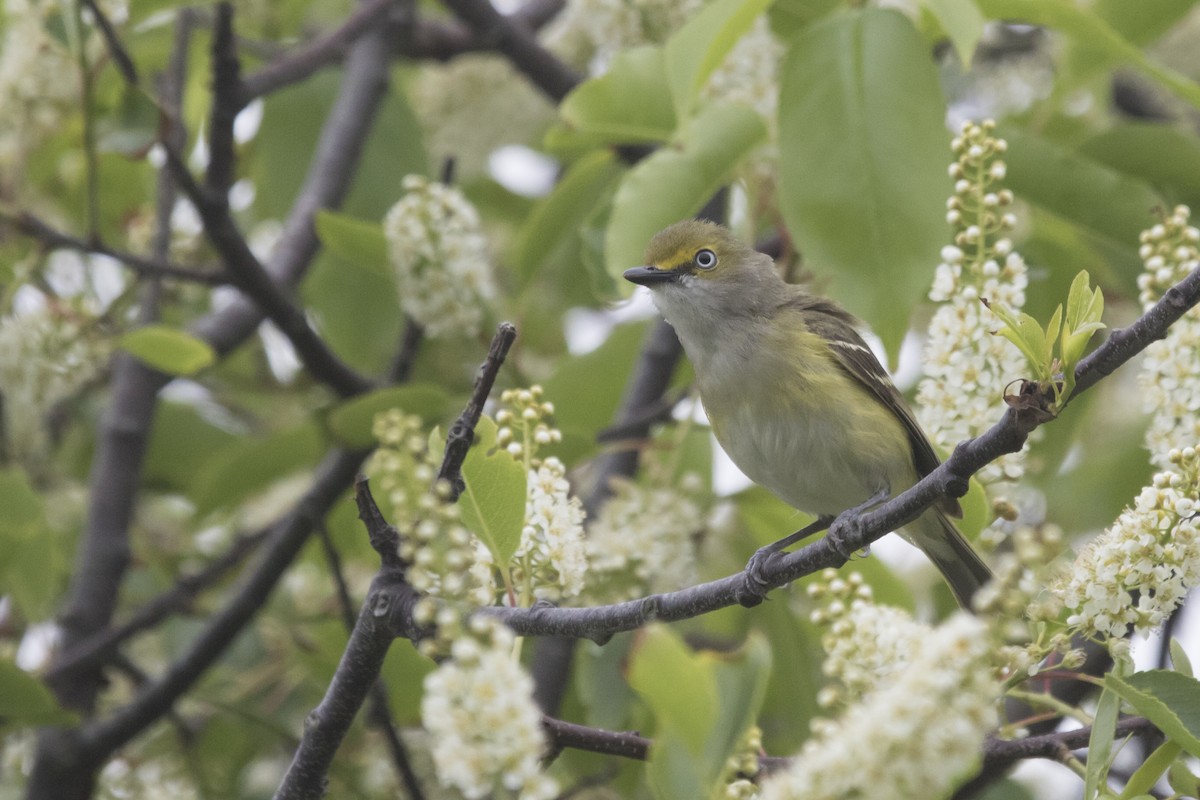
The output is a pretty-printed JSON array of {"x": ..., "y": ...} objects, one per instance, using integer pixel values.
[{"x": 830, "y": 120}]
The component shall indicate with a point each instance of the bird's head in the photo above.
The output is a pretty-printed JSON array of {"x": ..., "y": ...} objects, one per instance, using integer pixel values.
[{"x": 700, "y": 273}]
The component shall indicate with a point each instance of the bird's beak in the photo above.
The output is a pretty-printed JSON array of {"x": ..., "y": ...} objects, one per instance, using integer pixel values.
[{"x": 648, "y": 276}]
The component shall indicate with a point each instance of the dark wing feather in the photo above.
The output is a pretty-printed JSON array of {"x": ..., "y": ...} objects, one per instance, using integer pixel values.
[{"x": 837, "y": 326}]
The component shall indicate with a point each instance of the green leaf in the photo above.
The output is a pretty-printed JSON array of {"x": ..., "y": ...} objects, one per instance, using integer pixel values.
[
  {"x": 699, "y": 47},
  {"x": 1156, "y": 154},
  {"x": 676, "y": 181},
  {"x": 963, "y": 23},
  {"x": 251, "y": 464},
  {"x": 563, "y": 212},
  {"x": 702, "y": 704},
  {"x": 1084, "y": 309},
  {"x": 1179, "y": 659},
  {"x": 493, "y": 504},
  {"x": 351, "y": 422},
  {"x": 354, "y": 241},
  {"x": 629, "y": 104},
  {"x": 1098, "y": 35},
  {"x": 132, "y": 128},
  {"x": 1026, "y": 333},
  {"x": 1100, "y": 743},
  {"x": 1069, "y": 185},
  {"x": 1170, "y": 700},
  {"x": 168, "y": 349},
  {"x": 863, "y": 152},
  {"x": 26, "y": 701},
  {"x": 1154, "y": 767},
  {"x": 28, "y": 571}
]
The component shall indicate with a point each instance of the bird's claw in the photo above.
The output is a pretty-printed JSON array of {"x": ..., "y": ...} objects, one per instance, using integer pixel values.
[
  {"x": 755, "y": 585},
  {"x": 845, "y": 527}
]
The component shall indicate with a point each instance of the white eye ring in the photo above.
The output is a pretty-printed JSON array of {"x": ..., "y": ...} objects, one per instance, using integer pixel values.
[{"x": 706, "y": 259}]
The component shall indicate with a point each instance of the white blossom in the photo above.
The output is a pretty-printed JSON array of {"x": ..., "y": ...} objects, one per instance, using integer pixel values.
[
  {"x": 552, "y": 550},
  {"x": 967, "y": 367},
  {"x": 916, "y": 735},
  {"x": 486, "y": 729},
  {"x": 1152, "y": 552},
  {"x": 439, "y": 255},
  {"x": 46, "y": 356}
]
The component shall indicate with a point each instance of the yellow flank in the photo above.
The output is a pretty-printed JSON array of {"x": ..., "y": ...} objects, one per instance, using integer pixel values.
[{"x": 796, "y": 422}]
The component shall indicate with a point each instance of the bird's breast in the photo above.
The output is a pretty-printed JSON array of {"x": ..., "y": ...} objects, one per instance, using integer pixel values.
[{"x": 803, "y": 427}]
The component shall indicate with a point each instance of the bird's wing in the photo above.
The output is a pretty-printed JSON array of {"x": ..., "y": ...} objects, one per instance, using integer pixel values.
[{"x": 836, "y": 326}]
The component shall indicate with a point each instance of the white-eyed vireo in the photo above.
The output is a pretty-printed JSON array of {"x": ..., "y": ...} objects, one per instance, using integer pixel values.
[{"x": 794, "y": 395}]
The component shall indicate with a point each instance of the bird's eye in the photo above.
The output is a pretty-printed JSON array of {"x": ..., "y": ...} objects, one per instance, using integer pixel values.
[{"x": 706, "y": 259}]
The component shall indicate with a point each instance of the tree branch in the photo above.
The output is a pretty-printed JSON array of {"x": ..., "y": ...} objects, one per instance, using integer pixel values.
[
  {"x": 148, "y": 267},
  {"x": 98, "y": 649},
  {"x": 226, "y": 87},
  {"x": 859, "y": 530},
  {"x": 248, "y": 274},
  {"x": 287, "y": 536},
  {"x": 517, "y": 42},
  {"x": 388, "y": 611},
  {"x": 462, "y": 432}
]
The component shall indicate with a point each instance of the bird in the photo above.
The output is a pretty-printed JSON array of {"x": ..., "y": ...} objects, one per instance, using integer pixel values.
[{"x": 795, "y": 396}]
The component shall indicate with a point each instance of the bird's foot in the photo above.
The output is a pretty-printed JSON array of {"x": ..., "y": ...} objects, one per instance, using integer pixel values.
[
  {"x": 755, "y": 585},
  {"x": 843, "y": 530}
]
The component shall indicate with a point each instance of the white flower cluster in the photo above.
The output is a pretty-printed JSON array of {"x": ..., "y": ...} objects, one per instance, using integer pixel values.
[
  {"x": 552, "y": 557},
  {"x": 1170, "y": 374},
  {"x": 966, "y": 367},
  {"x": 440, "y": 258},
  {"x": 644, "y": 540},
  {"x": 742, "y": 767},
  {"x": 445, "y": 559},
  {"x": 478, "y": 708},
  {"x": 473, "y": 105},
  {"x": 917, "y": 735},
  {"x": 863, "y": 642},
  {"x": 1151, "y": 551},
  {"x": 46, "y": 356},
  {"x": 523, "y": 427}
]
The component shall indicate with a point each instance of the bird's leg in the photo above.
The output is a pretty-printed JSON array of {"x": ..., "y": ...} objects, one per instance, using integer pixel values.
[
  {"x": 754, "y": 591},
  {"x": 847, "y": 525}
]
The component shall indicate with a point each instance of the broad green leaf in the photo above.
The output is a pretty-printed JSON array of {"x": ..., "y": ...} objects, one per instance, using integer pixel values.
[
  {"x": 181, "y": 440},
  {"x": 1170, "y": 700},
  {"x": 788, "y": 17},
  {"x": 963, "y": 23},
  {"x": 249, "y": 465},
  {"x": 27, "y": 702},
  {"x": 1142, "y": 781},
  {"x": 1068, "y": 184},
  {"x": 1144, "y": 21},
  {"x": 351, "y": 422},
  {"x": 493, "y": 503},
  {"x": 133, "y": 127},
  {"x": 1179, "y": 659},
  {"x": 702, "y": 703},
  {"x": 863, "y": 153},
  {"x": 630, "y": 103},
  {"x": 679, "y": 686},
  {"x": 563, "y": 212},
  {"x": 699, "y": 47},
  {"x": 27, "y": 569},
  {"x": 168, "y": 349},
  {"x": 1100, "y": 743},
  {"x": 676, "y": 181},
  {"x": 354, "y": 241},
  {"x": 1027, "y": 334},
  {"x": 1084, "y": 309},
  {"x": 1160, "y": 155},
  {"x": 1087, "y": 27},
  {"x": 1183, "y": 781}
]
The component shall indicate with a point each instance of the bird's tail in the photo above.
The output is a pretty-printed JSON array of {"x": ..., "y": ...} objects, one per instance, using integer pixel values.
[{"x": 953, "y": 555}]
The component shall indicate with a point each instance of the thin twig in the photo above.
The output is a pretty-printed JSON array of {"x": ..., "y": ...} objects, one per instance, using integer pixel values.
[
  {"x": 116, "y": 49},
  {"x": 226, "y": 87},
  {"x": 517, "y": 42},
  {"x": 38, "y": 229},
  {"x": 859, "y": 530},
  {"x": 251, "y": 278},
  {"x": 96, "y": 650},
  {"x": 462, "y": 432}
]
